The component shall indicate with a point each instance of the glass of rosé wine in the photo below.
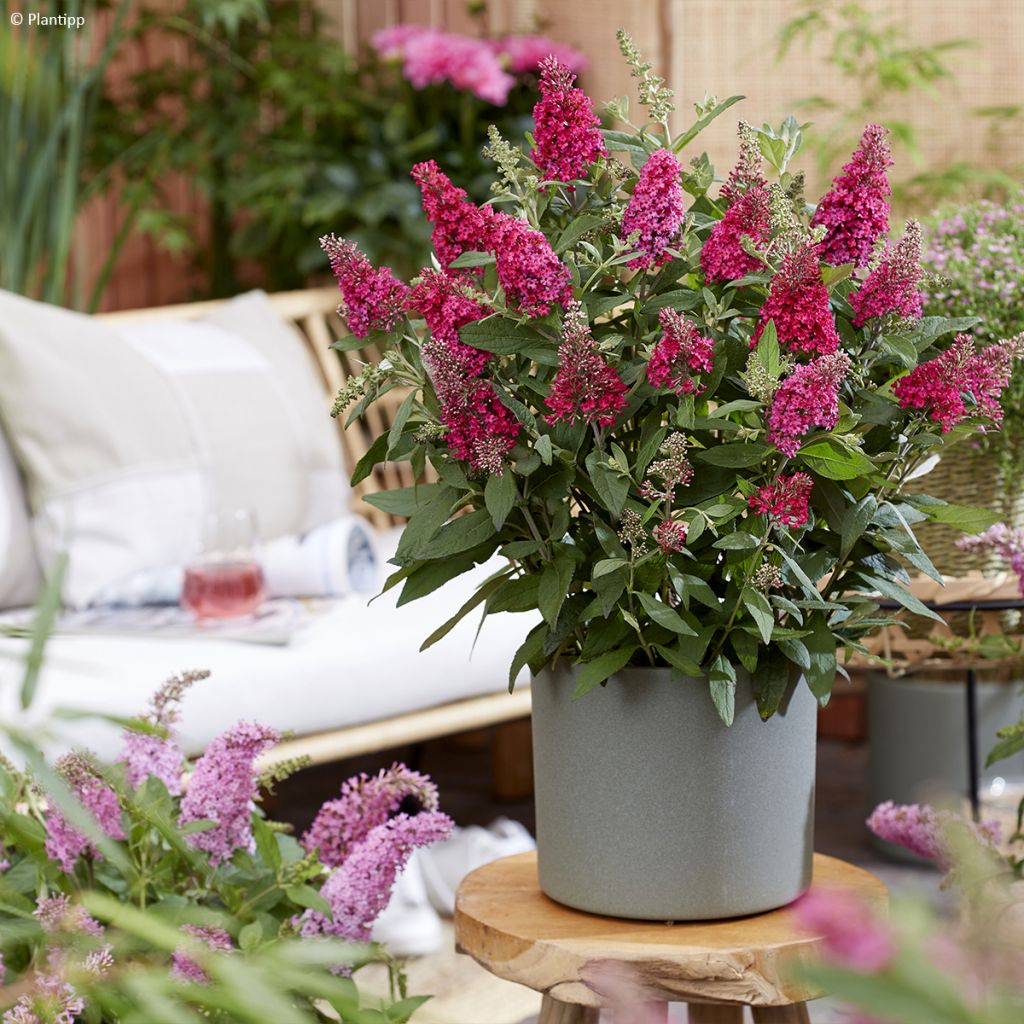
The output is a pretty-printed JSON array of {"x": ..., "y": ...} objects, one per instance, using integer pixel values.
[{"x": 225, "y": 579}]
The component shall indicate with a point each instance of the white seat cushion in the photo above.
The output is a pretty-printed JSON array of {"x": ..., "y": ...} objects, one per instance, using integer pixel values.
[{"x": 355, "y": 663}]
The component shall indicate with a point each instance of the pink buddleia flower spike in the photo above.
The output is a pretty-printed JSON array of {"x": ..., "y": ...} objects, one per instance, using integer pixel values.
[
  {"x": 364, "y": 804},
  {"x": 656, "y": 209},
  {"x": 144, "y": 754},
  {"x": 459, "y": 225},
  {"x": 680, "y": 355},
  {"x": 481, "y": 431},
  {"x": 360, "y": 888},
  {"x": 446, "y": 303},
  {"x": 57, "y": 914},
  {"x": 535, "y": 280},
  {"x": 894, "y": 285},
  {"x": 722, "y": 256},
  {"x": 785, "y": 501},
  {"x": 184, "y": 968},
  {"x": 855, "y": 210},
  {"x": 747, "y": 173},
  {"x": 798, "y": 302},
  {"x": 64, "y": 843},
  {"x": 51, "y": 1000},
  {"x": 1006, "y": 541},
  {"x": 567, "y": 132},
  {"x": 223, "y": 787},
  {"x": 585, "y": 387},
  {"x": 372, "y": 299},
  {"x": 850, "y": 932},
  {"x": 925, "y": 831},
  {"x": 807, "y": 398}
]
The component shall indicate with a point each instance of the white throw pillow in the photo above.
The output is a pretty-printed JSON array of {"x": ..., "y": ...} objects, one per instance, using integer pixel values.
[
  {"x": 19, "y": 568},
  {"x": 129, "y": 435}
]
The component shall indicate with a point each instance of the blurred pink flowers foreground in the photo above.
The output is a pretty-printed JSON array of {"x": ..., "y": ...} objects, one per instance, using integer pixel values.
[{"x": 484, "y": 67}]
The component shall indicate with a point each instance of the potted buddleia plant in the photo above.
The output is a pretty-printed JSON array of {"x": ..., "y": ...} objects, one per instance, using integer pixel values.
[{"x": 682, "y": 412}]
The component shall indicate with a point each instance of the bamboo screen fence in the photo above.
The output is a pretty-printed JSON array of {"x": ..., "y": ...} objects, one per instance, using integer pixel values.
[{"x": 719, "y": 46}]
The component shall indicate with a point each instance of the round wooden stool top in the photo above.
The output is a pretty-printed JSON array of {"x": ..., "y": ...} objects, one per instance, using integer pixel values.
[{"x": 508, "y": 925}]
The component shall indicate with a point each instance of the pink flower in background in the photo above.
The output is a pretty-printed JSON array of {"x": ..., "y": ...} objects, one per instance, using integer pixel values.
[
  {"x": 51, "y": 1000},
  {"x": 1006, "y": 541},
  {"x": 523, "y": 54},
  {"x": 567, "y": 135},
  {"x": 656, "y": 209},
  {"x": 360, "y": 888},
  {"x": 923, "y": 830},
  {"x": 807, "y": 398},
  {"x": 680, "y": 354},
  {"x": 223, "y": 787},
  {"x": 798, "y": 303},
  {"x": 855, "y": 210},
  {"x": 786, "y": 500},
  {"x": 64, "y": 843},
  {"x": 585, "y": 386},
  {"x": 145, "y": 755},
  {"x": 533, "y": 277},
  {"x": 459, "y": 225},
  {"x": 747, "y": 173},
  {"x": 431, "y": 57},
  {"x": 373, "y": 299},
  {"x": 480, "y": 430},
  {"x": 670, "y": 535},
  {"x": 391, "y": 42},
  {"x": 894, "y": 285},
  {"x": 446, "y": 304},
  {"x": 722, "y": 256},
  {"x": 184, "y": 968},
  {"x": 59, "y": 914},
  {"x": 366, "y": 802},
  {"x": 851, "y": 934}
]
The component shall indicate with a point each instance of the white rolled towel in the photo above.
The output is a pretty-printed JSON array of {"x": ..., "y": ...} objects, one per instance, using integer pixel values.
[{"x": 340, "y": 557}]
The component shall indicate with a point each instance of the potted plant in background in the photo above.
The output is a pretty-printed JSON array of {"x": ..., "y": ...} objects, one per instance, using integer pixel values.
[
  {"x": 972, "y": 258},
  {"x": 685, "y": 421}
]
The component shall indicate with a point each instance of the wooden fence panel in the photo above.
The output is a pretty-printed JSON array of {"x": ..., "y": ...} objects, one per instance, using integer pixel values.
[{"x": 699, "y": 45}]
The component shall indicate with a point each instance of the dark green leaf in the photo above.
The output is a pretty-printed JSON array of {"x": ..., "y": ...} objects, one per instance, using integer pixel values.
[
  {"x": 834, "y": 460},
  {"x": 664, "y": 616},
  {"x": 595, "y": 672},
  {"x": 761, "y": 612},
  {"x": 821, "y": 645},
  {"x": 500, "y": 336},
  {"x": 500, "y": 495},
  {"x": 722, "y": 680},
  {"x": 733, "y": 455},
  {"x": 403, "y": 501},
  {"x": 770, "y": 681},
  {"x": 529, "y": 651},
  {"x": 964, "y": 517}
]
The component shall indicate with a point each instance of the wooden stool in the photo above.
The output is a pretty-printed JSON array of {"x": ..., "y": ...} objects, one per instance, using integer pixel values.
[{"x": 508, "y": 925}]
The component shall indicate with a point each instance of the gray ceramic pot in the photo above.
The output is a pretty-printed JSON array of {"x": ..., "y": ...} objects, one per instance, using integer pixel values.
[
  {"x": 917, "y": 743},
  {"x": 649, "y": 807}
]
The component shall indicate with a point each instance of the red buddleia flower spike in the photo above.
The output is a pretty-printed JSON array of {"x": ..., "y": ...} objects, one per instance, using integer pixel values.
[
  {"x": 567, "y": 132},
  {"x": 798, "y": 302},
  {"x": 855, "y": 210},
  {"x": 585, "y": 387}
]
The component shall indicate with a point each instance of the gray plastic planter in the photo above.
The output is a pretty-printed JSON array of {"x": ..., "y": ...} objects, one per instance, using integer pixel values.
[{"x": 649, "y": 807}]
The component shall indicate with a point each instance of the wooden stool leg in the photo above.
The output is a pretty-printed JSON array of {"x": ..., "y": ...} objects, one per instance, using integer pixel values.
[
  {"x": 714, "y": 1013},
  {"x": 795, "y": 1014},
  {"x": 554, "y": 1012}
]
